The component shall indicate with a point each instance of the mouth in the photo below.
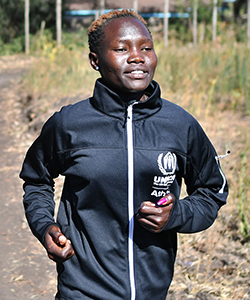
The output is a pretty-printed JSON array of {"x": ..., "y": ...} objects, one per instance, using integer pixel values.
[{"x": 137, "y": 74}]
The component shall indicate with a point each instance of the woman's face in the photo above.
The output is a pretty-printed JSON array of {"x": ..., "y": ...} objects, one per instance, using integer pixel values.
[{"x": 127, "y": 62}]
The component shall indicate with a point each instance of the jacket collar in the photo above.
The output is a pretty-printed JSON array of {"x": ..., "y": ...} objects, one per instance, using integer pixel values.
[{"x": 110, "y": 103}]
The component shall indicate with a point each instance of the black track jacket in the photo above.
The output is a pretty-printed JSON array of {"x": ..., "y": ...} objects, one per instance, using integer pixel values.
[{"x": 115, "y": 155}]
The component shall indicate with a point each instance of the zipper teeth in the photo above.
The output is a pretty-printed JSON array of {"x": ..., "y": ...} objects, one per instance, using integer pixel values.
[{"x": 131, "y": 200}]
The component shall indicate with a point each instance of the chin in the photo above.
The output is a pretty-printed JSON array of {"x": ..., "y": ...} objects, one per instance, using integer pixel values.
[{"x": 136, "y": 88}]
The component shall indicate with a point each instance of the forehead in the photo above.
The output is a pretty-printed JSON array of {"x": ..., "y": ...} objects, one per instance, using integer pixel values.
[{"x": 125, "y": 27}]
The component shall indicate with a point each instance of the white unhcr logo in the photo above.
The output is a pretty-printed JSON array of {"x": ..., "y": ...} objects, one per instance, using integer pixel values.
[{"x": 167, "y": 165}]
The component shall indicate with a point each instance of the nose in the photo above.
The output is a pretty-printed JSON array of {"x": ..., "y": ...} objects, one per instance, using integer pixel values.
[{"x": 136, "y": 56}]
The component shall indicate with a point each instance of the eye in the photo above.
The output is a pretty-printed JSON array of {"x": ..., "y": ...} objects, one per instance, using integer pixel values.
[
  {"x": 147, "y": 48},
  {"x": 120, "y": 50}
]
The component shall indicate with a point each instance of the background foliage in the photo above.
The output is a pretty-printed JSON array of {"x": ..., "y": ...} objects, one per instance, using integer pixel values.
[
  {"x": 230, "y": 17},
  {"x": 12, "y": 17}
]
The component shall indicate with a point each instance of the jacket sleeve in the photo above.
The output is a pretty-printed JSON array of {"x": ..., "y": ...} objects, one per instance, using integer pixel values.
[
  {"x": 40, "y": 166},
  {"x": 206, "y": 186}
]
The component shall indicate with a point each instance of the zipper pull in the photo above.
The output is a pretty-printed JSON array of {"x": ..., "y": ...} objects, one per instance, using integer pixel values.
[
  {"x": 222, "y": 156},
  {"x": 129, "y": 113}
]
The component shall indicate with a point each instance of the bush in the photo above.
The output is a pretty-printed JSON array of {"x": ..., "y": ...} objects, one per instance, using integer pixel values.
[
  {"x": 12, "y": 17},
  {"x": 17, "y": 46}
]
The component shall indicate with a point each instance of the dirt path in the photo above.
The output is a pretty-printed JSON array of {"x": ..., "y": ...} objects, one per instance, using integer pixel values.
[{"x": 25, "y": 271}]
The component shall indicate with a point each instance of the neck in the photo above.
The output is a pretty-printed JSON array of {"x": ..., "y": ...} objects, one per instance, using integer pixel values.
[{"x": 128, "y": 97}]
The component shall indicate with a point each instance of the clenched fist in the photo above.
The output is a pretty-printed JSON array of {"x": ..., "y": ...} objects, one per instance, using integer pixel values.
[
  {"x": 58, "y": 247},
  {"x": 154, "y": 216}
]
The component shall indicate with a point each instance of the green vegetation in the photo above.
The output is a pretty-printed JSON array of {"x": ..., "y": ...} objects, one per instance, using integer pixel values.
[
  {"x": 216, "y": 75},
  {"x": 42, "y": 15},
  {"x": 243, "y": 193},
  {"x": 60, "y": 71},
  {"x": 12, "y": 18},
  {"x": 207, "y": 78}
]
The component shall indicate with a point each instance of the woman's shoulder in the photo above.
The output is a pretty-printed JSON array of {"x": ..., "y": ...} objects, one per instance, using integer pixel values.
[
  {"x": 176, "y": 112},
  {"x": 75, "y": 108},
  {"x": 67, "y": 116},
  {"x": 72, "y": 112}
]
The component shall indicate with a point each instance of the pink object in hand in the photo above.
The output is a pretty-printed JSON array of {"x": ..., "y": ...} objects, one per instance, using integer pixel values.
[{"x": 166, "y": 199}]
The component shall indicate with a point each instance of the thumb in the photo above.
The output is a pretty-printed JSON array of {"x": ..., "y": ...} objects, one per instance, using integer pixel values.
[
  {"x": 57, "y": 236},
  {"x": 61, "y": 239}
]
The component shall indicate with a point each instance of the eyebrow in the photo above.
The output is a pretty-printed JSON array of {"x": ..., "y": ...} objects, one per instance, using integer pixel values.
[{"x": 127, "y": 40}]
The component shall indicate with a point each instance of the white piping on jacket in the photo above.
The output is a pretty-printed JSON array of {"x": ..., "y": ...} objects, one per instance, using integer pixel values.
[
  {"x": 131, "y": 199},
  {"x": 221, "y": 191}
]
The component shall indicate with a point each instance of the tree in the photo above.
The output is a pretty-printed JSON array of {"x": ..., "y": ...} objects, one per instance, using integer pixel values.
[
  {"x": 12, "y": 17},
  {"x": 195, "y": 8},
  {"x": 59, "y": 22},
  {"x": 135, "y": 5},
  {"x": 27, "y": 26},
  {"x": 248, "y": 23},
  {"x": 214, "y": 19},
  {"x": 166, "y": 11},
  {"x": 238, "y": 5}
]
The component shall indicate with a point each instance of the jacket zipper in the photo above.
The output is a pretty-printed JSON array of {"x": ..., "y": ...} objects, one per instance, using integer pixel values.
[{"x": 130, "y": 148}]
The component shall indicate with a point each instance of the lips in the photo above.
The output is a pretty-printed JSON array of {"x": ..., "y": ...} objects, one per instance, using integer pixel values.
[{"x": 137, "y": 74}]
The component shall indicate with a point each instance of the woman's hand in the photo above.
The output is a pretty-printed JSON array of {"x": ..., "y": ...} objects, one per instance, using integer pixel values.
[
  {"x": 58, "y": 247},
  {"x": 154, "y": 217}
]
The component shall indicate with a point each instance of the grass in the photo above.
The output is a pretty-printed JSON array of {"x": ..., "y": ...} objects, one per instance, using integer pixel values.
[
  {"x": 209, "y": 77},
  {"x": 243, "y": 192},
  {"x": 212, "y": 82},
  {"x": 205, "y": 79},
  {"x": 60, "y": 73}
]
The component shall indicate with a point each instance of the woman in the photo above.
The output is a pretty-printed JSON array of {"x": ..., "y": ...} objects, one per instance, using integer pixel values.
[{"x": 123, "y": 153}]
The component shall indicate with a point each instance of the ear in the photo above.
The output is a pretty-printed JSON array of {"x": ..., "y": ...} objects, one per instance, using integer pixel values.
[{"x": 93, "y": 59}]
